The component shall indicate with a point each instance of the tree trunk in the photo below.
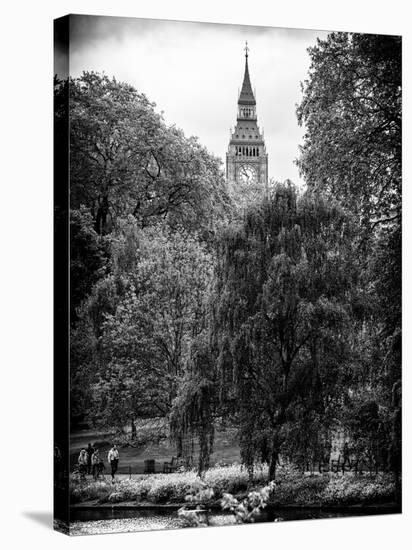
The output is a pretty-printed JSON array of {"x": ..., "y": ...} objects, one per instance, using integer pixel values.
[
  {"x": 101, "y": 216},
  {"x": 134, "y": 432},
  {"x": 274, "y": 459},
  {"x": 179, "y": 446}
]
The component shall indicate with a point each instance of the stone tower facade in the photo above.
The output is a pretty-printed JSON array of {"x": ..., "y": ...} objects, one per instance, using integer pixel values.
[{"x": 246, "y": 158}]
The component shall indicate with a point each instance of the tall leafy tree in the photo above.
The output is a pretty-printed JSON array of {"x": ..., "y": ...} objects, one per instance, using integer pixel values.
[
  {"x": 281, "y": 311},
  {"x": 351, "y": 110},
  {"x": 130, "y": 172},
  {"x": 125, "y": 160},
  {"x": 145, "y": 341}
]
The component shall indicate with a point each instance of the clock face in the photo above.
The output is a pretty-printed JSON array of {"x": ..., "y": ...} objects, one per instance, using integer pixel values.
[{"x": 247, "y": 174}]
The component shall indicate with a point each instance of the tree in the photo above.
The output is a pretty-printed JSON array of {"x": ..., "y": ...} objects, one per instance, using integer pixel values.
[
  {"x": 351, "y": 109},
  {"x": 145, "y": 341},
  {"x": 281, "y": 310},
  {"x": 125, "y": 160},
  {"x": 88, "y": 256},
  {"x": 139, "y": 189}
]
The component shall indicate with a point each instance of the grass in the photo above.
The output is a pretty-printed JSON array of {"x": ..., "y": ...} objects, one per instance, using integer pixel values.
[
  {"x": 293, "y": 488},
  {"x": 226, "y": 448}
]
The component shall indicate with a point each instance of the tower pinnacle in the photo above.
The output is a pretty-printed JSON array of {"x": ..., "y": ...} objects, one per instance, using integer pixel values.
[{"x": 246, "y": 96}]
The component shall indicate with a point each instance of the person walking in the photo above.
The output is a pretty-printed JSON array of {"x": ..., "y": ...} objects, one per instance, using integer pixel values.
[
  {"x": 82, "y": 462},
  {"x": 113, "y": 458},
  {"x": 90, "y": 452},
  {"x": 95, "y": 459}
]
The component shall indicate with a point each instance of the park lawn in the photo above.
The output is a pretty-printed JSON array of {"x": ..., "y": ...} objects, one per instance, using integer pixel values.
[{"x": 226, "y": 450}]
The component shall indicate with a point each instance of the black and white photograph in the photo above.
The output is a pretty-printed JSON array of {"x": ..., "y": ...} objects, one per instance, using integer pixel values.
[{"x": 228, "y": 278}]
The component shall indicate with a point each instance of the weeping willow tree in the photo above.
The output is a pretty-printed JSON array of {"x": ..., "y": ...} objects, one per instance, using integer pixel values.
[
  {"x": 282, "y": 318},
  {"x": 191, "y": 417},
  {"x": 280, "y": 325}
]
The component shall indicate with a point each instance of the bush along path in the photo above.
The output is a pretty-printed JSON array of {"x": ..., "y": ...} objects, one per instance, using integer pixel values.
[{"x": 290, "y": 488}]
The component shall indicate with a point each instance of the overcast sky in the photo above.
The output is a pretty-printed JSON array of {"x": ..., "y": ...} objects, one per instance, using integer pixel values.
[{"x": 193, "y": 72}]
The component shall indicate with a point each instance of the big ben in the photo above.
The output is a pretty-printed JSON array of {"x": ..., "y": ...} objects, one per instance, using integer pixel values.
[{"x": 246, "y": 159}]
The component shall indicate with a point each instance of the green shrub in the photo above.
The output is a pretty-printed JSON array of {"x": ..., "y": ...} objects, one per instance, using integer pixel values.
[
  {"x": 94, "y": 490},
  {"x": 291, "y": 487},
  {"x": 349, "y": 489}
]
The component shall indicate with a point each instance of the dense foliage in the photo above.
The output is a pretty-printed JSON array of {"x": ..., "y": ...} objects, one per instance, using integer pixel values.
[
  {"x": 351, "y": 109},
  {"x": 146, "y": 202},
  {"x": 145, "y": 342},
  {"x": 283, "y": 308},
  {"x": 125, "y": 160}
]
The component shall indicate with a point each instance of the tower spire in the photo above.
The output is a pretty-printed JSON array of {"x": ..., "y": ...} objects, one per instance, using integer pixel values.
[{"x": 246, "y": 96}]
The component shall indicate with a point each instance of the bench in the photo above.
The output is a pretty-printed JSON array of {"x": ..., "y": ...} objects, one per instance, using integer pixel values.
[{"x": 173, "y": 465}]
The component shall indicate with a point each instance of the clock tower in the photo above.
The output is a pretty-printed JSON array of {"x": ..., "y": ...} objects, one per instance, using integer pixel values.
[{"x": 246, "y": 158}]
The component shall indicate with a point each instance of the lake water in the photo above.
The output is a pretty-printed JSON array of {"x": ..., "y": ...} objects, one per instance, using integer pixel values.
[{"x": 114, "y": 520}]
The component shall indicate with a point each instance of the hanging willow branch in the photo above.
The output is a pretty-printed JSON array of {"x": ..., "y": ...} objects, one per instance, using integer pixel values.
[{"x": 192, "y": 411}]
